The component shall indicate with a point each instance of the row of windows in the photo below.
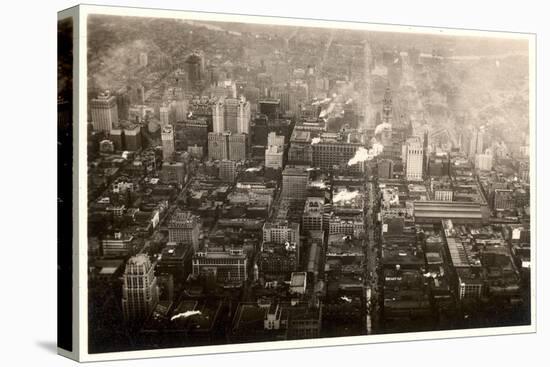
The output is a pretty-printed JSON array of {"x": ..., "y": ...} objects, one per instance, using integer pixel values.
[{"x": 231, "y": 262}]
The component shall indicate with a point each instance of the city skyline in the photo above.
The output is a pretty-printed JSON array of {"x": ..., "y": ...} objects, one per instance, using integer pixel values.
[{"x": 254, "y": 183}]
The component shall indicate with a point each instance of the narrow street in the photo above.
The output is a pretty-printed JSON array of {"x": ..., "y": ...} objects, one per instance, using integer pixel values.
[{"x": 371, "y": 255}]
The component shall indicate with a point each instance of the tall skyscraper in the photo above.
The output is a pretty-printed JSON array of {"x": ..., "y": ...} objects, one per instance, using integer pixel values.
[
  {"x": 274, "y": 151},
  {"x": 139, "y": 288},
  {"x": 231, "y": 114},
  {"x": 218, "y": 125},
  {"x": 387, "y": 106},
  {"x": 104, "y": 112},
  {"x": 194, "y": 67},
  {"x": 164, "y": 113},
  {"x": 168, "y": 144},
  {"x": 414, "y": 159},
  {"x": 484, "y": 162},
  {"x": 477, "y": 142}
]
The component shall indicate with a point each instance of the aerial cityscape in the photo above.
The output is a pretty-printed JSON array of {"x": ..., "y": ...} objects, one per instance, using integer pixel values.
[{"x": 253, "y": 182}]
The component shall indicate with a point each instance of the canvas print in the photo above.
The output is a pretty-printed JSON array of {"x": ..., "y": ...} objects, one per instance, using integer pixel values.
[{"x": 253, "y": 182}]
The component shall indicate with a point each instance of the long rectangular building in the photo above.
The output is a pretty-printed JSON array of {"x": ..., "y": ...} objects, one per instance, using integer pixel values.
[{"x": 459, "y": 212}]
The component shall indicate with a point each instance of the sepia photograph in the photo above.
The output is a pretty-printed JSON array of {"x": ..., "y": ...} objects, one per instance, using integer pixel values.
[{"x": 284, "y": 182}]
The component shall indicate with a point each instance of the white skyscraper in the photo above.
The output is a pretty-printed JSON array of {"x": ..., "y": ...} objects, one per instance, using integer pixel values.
[
  {"x": 164, "y": 115},
  {"x": 414, "y": 158},
  {"x": 104, "y": 112},
  {"x": 274, "y": 151},
  {"x": 140, "y": 292},
  {"x": 218, "y": 124},
  {"x": 168, "y": 145}
]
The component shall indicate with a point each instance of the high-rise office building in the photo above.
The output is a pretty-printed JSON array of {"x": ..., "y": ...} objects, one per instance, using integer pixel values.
[
  {"x": 184, "y": 227},
  {"x": 503, "y": 199},
  {"x": 173, "y": 172},
  {"x": 132, "y": 137},
  {"x": 237, "y": 146},
  {"x": 269, "y": 107},
  {"x": 192, "y": 131},
  {"x": 218, "y": 146},
  {"x": 274, "y": 157},
  {"x": 387, "y": 107},
  {"x": 218, "y": 125},
  {"x": 484, "y": 162},
  {"x": 225, "y": 88},
  {"x": 194, "y": 67},
  {"x": 230, "y": 266},
  {"x": 227, "y": 146},
  {"x": 312, "y": 218},
  {"x": 139, "y": 288},
  {"x": 116, "y": 136},
  {"x": 336, "y": 149},
  {"x": 275, "y": 150},
  {"x": 415, "y": 159},
  {"x": 477, "y": 142},
  {"x": 104, "y": 112},
  {"x": 231, "y": 114},
  {"x": 168, "y": 143},
  {"x": 385, "y": 168},
  {"x": 274, "y": 139},
  {"x": 228, "y": 170},
  {"x": 295, "y": 182},
  {"x": 281, "y": 232},
  {"x": 179, "y": 110},
  {"x": 164, "y": 113}
]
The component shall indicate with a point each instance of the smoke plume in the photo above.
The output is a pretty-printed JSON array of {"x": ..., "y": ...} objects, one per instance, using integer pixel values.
[{"x": 363, "y": 154}]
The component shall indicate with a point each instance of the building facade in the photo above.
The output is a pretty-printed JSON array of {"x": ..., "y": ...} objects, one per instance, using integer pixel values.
[
  {"x": 168, "y": 142},
  {"x": 295, "y": 182},
  {"x": 228, "y": 170},
  {"x": 415, "y": 159},
  {"x": 139, "y": 289},
  {"x": 230, "y": 266},
  {"x": 184, "y": 227},
  {"x": 104, "y": 112}
]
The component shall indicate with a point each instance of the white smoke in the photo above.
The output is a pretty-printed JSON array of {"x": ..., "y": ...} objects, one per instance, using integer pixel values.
[
  {"x": 345, "y": 195},
  {"x": 363, "y": 154},
  {"x": 381, "y": 127},
  {"x": 253, "y": 169},
  {"x": 319, "y": 184},
  {"x": 185, "y": 315},
  {"x": 317, "y": 103},
  {"x": 315, "y": 141},
  {"x": 327, "y": 111},
  {"x": 349, "y": 101}
]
